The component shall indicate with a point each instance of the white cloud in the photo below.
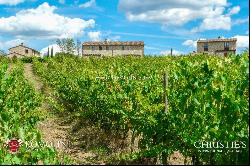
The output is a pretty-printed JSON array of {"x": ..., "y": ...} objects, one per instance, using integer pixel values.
[
  {"x": 5, "y": 45},
  {"x": 190, "y": 43},
  {"x": 179, "y": 12},
  {"x": 43, "y": 22},
  {"x": 94, "y": 36},
  {"x": 172, "y": 12},
  {"x": 219, "y": 22},
  {"x": 242, "y": 41},
  {"x": 88, "y": 4},
  {"x": 168, "y": 52},
  {"x": 56, "y": 49},
  {"x": 174, "y": 16},
  {"x": 136, "y": 6},
  {"x": 241, "y": 21},
  {"x": 11, "y": 2},
  {"x": 234, "y": 10},
  {"x": 215, "y": 23}
]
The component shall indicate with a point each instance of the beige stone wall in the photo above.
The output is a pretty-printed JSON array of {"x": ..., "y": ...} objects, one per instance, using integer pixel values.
[
  {"x": 215, "y": 46},
  {"x": 19, "y": 51},
  {"x": 11, "y": 55},
  {"x": 113, "y": 50}
]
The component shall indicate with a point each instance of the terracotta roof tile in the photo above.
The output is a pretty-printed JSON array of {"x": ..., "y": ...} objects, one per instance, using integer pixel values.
[
  {"x": 24, "y": 47},
  {"x": 217, "y": 40},
  {"x": 114, "y": 43}
]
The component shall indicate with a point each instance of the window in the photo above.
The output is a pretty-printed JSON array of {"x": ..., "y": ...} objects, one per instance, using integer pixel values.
[
  {"x": 226, "y": 46},
  {"x": 100, "y": 47},
  {"x": 206, "y": 47},
  {"x": 123, "y": 47},
  {"x": 92, "y": 48},
  {"x": 107, "y": 47},
  {"x": 26, "y": 51}
]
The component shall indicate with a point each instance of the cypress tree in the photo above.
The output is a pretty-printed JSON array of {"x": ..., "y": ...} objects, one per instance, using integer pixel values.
[
  {"x": 52, "y": 52},
  {"x": 48, "y": 52}
]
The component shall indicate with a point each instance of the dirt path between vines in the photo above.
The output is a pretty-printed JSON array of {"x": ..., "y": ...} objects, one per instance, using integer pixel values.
[
  {"x": 77, "y": 138},
  {"x": 10, "y": 67},
  {"x": 56, "y": 129}
]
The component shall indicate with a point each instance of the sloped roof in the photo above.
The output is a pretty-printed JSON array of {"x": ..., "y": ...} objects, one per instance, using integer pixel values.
[
  {"x": 218, "y": 40},
  {"x": 115, "y": 43},
  {"x": 21, "y": 45}
]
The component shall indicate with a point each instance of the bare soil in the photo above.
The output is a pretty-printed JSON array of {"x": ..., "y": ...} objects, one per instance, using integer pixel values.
[{"x": 55, "y": 131}]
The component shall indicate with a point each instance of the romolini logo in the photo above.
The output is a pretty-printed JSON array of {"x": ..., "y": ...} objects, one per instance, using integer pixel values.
[{"x": 14, "y": 145}]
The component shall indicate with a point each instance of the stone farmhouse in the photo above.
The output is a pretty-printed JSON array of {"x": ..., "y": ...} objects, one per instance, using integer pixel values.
[
  {"x": 21, "y": 51},
  {"x": 217, "y": 46},
  {"x": 113, "y": 48}
]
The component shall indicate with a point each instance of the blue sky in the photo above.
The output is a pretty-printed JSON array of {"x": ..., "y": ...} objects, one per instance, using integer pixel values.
[{"x": 161, "y": 24}]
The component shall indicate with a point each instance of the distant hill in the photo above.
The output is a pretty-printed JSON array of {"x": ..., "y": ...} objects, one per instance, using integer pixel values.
[{"x": 2, "y": 53}]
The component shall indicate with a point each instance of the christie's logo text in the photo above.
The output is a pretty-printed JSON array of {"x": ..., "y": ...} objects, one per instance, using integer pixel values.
[{"x": 235, "y": 146}]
